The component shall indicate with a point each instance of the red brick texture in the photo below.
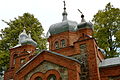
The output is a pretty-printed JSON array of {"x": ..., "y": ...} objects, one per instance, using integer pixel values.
[
  {"x": 16, "y": 54},
  {"x": 72, "y": 47},
  {"x": 45, "y": 76},
  {"x": 107, "y": 72},
  {"x": 75, "y": 67}
]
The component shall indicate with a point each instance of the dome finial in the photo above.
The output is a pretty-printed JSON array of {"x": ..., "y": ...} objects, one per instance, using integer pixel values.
[
  {"x": 29, "y": 35},
  {"x": 64, "y": 5},
  {"x": 64, "y": 13},
  {"x": 82, "y": 16}
]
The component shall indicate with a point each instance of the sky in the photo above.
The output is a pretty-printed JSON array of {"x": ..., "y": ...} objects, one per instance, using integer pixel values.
[{"x": 49, "y": 12}]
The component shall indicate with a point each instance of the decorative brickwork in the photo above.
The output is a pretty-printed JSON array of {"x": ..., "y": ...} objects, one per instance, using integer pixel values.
[
  {"x": 46, "y": 66},
  {"x": 73, "y": 55},
  {"x": 84, "y": 66}
]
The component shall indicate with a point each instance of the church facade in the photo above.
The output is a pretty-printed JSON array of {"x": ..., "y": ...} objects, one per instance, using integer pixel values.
[{"x": 73, "y": 55}]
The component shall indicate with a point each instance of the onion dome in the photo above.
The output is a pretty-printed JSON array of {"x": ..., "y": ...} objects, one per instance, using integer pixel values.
[
  {"x": 29, "y": 40},
  {"x": 65, "y": 25},
  {"x": 84, "y": 24},
  {"x": 22, "y": 36},
  {"x": 26, "y": 39}
]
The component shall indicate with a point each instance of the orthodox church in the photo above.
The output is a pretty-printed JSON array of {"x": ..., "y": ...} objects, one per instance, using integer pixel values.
[{"x": 73, "y": 55}]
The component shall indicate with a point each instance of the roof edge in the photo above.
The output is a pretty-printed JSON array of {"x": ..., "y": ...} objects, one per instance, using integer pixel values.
[{"x": 49, "y": 52}]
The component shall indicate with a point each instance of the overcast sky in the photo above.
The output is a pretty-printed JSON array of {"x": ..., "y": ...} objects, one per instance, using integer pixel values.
[{"x": 50, "y": 11}]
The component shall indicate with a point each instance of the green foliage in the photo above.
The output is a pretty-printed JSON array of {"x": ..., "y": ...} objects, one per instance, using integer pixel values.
[
  {"x": 9, "y": 36},
  {"x": 107, "y": 30},
  {"x": 4, "y": 60}
]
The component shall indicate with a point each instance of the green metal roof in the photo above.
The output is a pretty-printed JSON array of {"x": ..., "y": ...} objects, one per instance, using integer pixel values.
[
  {"x": 85, "y": 25},
  {"x": 63, "y": 26}
]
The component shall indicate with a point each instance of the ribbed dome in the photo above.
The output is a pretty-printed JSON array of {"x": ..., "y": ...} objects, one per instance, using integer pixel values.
[{"x": 65, "y": 25}]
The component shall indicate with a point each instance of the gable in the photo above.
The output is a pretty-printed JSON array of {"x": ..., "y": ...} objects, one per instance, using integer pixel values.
[
  {"x": 54, "y": 58},
  {"x": 46, "y": 66}
]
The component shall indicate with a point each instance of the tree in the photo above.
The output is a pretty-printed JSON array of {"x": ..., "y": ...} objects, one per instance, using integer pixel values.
[
  {"x": 107, "y": 30},
  {"x": 9, "y": 35}
]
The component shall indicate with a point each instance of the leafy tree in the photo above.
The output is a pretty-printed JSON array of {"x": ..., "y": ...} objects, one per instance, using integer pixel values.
[
  {"x": 107, "y": 30},
  {"x": 9, "y": 35}
]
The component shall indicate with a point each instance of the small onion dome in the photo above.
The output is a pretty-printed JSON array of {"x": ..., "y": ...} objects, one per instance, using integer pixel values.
[
  {"x": 23, "y": 36},
  {"x": 84, "y": 24},
  {"x": 28, "y": 41},
  {"x": 63, "y": 26}
]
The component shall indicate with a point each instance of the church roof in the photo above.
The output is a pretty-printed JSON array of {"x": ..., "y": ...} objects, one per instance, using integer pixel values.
[
  {"x": 65, "y": 25},
  {"x": 25, "y": 39},
  {"x": 28, "y": 40},
  {"x": 110, "y": 62},
  {"x": 84, "y": 24},
  {"x": 70, "y": 58}
]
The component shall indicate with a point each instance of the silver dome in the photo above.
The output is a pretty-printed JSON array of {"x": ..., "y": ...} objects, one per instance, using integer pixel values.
[
  {"x": 63, "y": 26},
  {"x": 26, "y": 39},
  {"x": 23, "y": 36},
  {"x": 84, "y": 24}
]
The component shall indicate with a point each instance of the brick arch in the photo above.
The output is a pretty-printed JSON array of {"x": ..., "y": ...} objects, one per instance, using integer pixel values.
[
  {"x": 54, "y": 41},
  {"x": 53, "y": 72},
  {"x": 66, "y": 40},
  {"x": 38, "y": 74},
  {"x": 45, "y": 76},
  {"x": 59, "y": 41}
]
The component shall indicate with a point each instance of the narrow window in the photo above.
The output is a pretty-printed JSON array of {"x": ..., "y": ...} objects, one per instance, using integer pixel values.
[
  {"x": 22, "y": 60},
  {"x": 38, "y": 78},
  {"x": 51, "y": 77},
  {"x": 56, "y": 45},
  {"x": 83, "y": 48},
  {"x": 63, "y": 43},
  {"x": 14, "y": 61}
]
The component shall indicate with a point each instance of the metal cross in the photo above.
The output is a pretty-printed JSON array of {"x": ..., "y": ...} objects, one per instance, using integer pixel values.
[
  {"x": 64, "y": 4},
  {"x": 80, "y": 11}
]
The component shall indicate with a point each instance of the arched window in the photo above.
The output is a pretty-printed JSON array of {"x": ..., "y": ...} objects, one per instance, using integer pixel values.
[
  {"x": 38, "y": 78},
  {"x": 56, "y": 45},
  {"x": 22, "y": 60},
  {"x": 63, "y": 44},
  {"x": 51, "y": 77},
  {"x": 15, "y": 55}
]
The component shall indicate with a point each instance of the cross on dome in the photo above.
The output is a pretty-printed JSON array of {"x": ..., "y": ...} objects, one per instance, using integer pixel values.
[{"x": 64, "y": 13}]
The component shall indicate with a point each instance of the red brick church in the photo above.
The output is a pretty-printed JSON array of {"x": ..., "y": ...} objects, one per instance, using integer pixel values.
[{"x": 73, "y": 55}]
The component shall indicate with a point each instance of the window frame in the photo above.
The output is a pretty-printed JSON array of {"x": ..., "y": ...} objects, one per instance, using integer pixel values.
[
  {"x": 22, "y": 60},
  {"x": 56, "y": 45},
  {"x": 38, "y": 78},
  {"x": 63, "y": 43},
  {"x": 51, "y": 76}
]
